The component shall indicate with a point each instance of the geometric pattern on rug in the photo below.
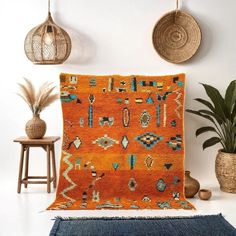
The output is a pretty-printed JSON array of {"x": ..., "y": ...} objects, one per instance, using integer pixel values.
[
  {"x": 148, "y": 140},
  {"x": 123, "y": 143}
]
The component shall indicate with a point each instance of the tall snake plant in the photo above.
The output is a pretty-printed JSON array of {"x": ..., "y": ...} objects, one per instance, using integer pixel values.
[{"x": 221, "y": 112}]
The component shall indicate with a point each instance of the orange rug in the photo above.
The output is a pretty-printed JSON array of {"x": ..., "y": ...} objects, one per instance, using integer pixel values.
[{"x": 123, "y": 144}]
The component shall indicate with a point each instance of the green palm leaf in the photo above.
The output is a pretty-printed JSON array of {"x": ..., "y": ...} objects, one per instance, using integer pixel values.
[
  {"x": 206, "y": 103},
  {"x": 200, "y": 114},
  {"x": 210, "y": 142},
  {"x": 217, "y": 100},
  {"x": 212, "y": 114},
  {"x": 205, "y": 129},
  {"x": 230, "y": 96},
  {"x": 222, "y": 113}
]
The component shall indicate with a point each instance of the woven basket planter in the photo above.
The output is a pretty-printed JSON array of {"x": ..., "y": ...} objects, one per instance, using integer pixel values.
[
  {"x": 226, "y": 171},
  {"x": 35, "y": 128}
]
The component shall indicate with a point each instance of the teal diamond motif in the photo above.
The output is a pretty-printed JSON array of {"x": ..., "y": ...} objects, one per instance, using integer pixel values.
[
  {"x": 148, "y": 140},
  {"x": 105, "y": 142}
]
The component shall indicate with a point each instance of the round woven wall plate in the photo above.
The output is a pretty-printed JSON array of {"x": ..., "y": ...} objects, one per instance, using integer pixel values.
[{"x": 176, "y": 36}]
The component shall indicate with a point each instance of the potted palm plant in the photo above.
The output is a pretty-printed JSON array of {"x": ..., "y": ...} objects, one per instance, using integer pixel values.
[
  {"x": 37, "y": 102},
  {"x": 221, "y": 112}
]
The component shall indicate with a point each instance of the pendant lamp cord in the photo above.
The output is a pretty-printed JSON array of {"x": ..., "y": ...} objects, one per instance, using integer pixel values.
[{"x": 49, "y": 6}]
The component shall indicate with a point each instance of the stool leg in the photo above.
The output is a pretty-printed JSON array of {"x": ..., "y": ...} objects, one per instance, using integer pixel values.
[
  {"x": 21, "y": 168},
  {"x": 54, "y": 167},
  {"x": 48, "y": 169},
  {"x": 27, "y": 165}
]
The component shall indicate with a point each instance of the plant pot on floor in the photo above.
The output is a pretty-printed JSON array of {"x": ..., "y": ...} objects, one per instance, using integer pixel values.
[
  {"x": 226, "y": 171},
  {"x": 35, "y": 128}
]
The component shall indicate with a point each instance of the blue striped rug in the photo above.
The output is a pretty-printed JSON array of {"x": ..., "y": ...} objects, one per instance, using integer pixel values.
[{"x": 211, "y": 225}]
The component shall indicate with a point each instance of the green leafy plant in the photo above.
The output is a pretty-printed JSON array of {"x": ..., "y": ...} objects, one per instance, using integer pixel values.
[{"x": 221, "y": 112}]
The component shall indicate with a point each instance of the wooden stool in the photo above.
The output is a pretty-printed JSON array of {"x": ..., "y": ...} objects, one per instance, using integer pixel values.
[{"x": 47, "y": 143}]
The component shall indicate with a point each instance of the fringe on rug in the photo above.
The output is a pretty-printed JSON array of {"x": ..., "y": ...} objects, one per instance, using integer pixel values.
[{"x": 133, "y": 218}]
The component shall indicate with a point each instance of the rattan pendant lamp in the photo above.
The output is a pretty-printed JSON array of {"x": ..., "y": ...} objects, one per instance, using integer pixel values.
[{"x": 47, "y": 43}]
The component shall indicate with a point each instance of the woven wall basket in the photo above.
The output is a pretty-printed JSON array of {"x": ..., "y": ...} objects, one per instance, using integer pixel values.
[{"x": 176, "y": 36}]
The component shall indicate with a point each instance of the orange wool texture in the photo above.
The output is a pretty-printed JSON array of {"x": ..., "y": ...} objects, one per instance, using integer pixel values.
[{"x": 123, "y": 143}]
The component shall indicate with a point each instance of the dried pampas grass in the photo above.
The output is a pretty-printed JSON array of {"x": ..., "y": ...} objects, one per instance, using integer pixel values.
[{"x": 37, "y": 101}]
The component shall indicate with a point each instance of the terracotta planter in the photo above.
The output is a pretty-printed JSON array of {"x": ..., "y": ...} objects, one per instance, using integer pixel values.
[
  {"x": 192, "y": 186},
  {"x": 35, "y": 128},
  {"x": 226, "y": 171}
]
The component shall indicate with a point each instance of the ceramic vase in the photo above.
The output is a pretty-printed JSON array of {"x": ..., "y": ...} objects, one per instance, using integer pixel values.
[
  {"x": 35, "y": 128},
  {"x": 192, "y": 186}
]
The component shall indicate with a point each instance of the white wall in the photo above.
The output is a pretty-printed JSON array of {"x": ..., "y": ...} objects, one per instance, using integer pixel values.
[{"x": 111, "y": 37}]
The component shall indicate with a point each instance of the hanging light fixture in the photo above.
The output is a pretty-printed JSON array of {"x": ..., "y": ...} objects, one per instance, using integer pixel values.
[{"x": 47, "y": 43}]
